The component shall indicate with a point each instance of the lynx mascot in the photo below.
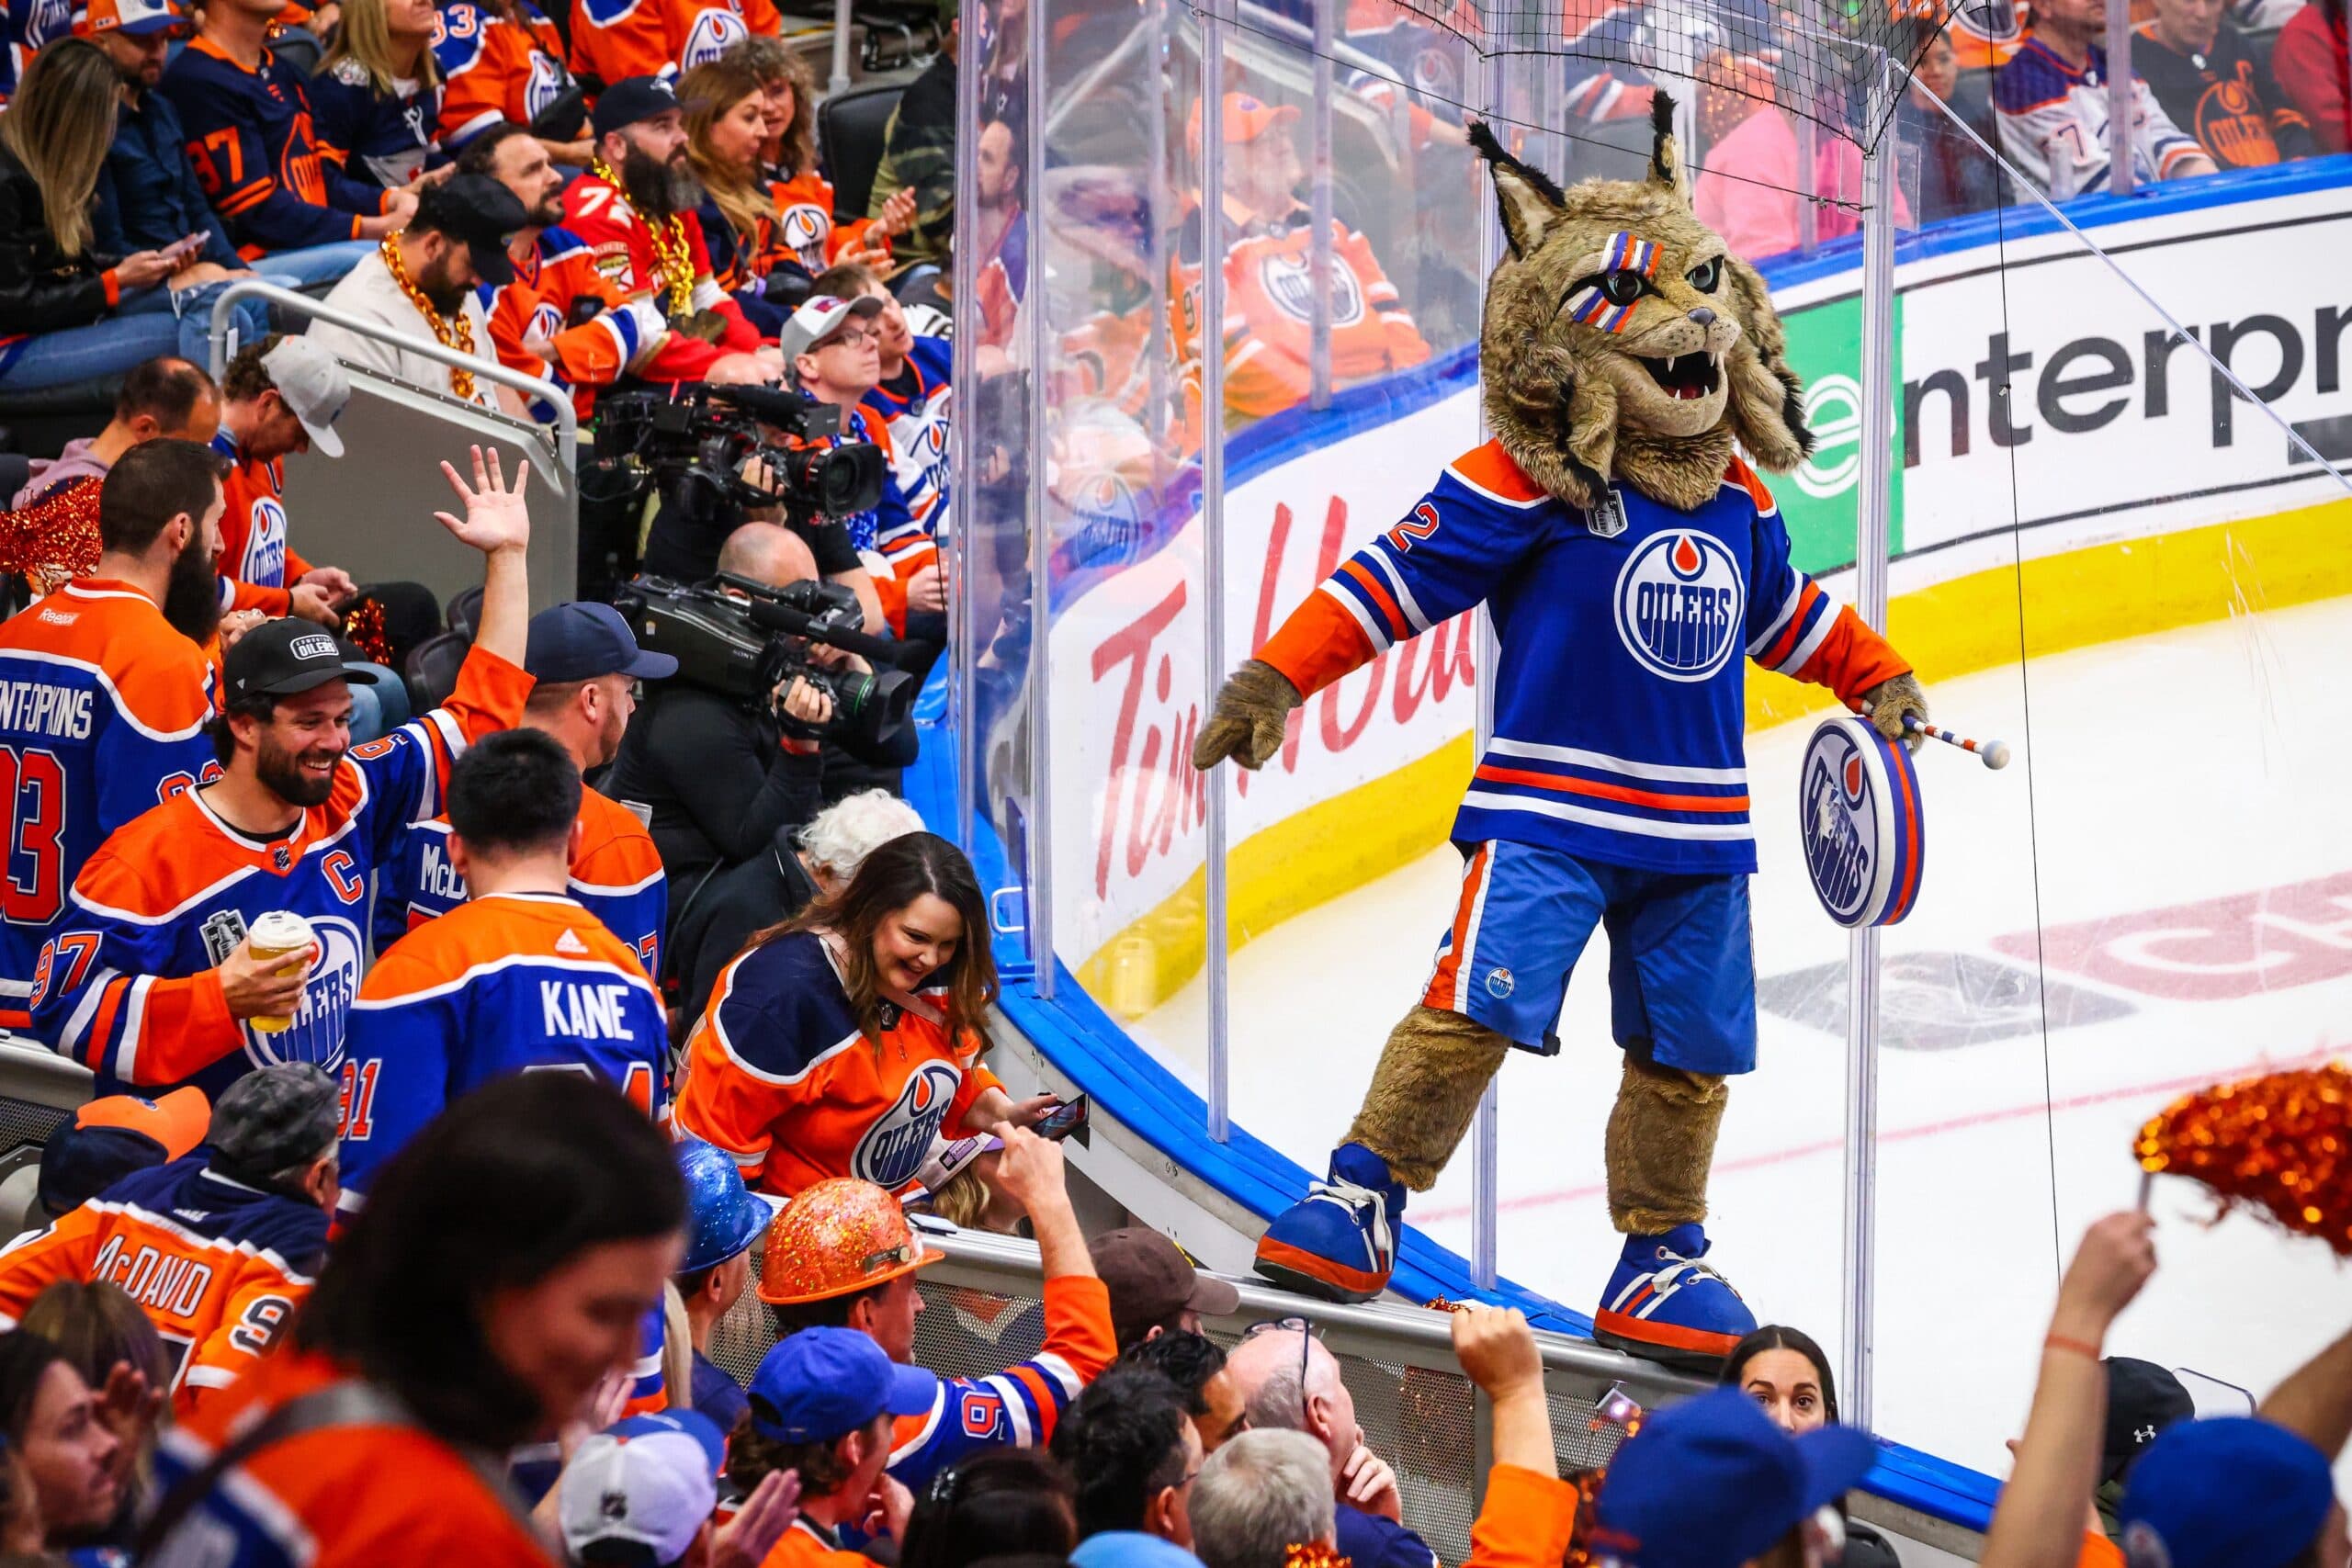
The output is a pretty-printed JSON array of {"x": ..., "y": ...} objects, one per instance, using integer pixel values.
[{"x": 1629, "y": 556}]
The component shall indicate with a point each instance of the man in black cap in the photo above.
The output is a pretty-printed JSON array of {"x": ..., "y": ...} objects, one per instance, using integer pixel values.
[
  {"x": 156, "y": 973},
  {"x": 2142, "y": 1399},
  {"x": 587, "y": 664},
  {"x": 635, "y": 207},
  {"x": 218, "y": 1246},
  {"x": 422, "y": 284}
]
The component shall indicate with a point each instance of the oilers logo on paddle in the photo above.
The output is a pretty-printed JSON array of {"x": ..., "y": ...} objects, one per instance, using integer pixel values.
[
  {"x": 1859, "y": 817},
  {"x": 1679, "y": 605},
  {"x": 893, "y": 1148},
  {"x": 1289, "y": 282}
]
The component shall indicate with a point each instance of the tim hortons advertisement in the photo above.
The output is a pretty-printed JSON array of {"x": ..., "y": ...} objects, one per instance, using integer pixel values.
[{"x": 1129, "y": 694}]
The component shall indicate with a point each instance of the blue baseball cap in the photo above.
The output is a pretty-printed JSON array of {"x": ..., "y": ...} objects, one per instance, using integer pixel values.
[
  {"x": 685, "y": 1423},
  {"x": 1712, "y": 1483},
  {"x": 584, "y": 639},
  {"x": 724, "y": 1219},
  {"x": 2233, "y": 1492},
  {"x": 823, "y": 1383}
]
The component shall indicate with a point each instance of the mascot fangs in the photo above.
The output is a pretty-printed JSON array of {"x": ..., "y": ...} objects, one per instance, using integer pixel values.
[{"x": 1630, "y": 558}]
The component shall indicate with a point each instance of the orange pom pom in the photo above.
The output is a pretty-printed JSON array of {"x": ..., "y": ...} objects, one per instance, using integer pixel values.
[
  {"x": 1314, "y": 1554},
  {"x": 2281, "y": 1145},
  {"x": 363, "y": 628}
]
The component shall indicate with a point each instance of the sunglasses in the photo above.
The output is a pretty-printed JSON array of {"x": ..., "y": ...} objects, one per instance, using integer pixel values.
[{"x": 1305, "y": 1330}]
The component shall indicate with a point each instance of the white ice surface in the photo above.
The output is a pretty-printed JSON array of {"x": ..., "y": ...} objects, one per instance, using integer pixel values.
[{"x": 2155, "y": 773}]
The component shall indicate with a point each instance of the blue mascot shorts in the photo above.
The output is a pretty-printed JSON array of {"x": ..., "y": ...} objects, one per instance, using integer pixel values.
[{"x": 1681, "y": 962}]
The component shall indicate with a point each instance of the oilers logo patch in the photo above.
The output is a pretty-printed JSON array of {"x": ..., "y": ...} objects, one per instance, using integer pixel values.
[
  {"x": 1679, "y": 605},
  {"x": 1860, "y": 821},
  {"x": 1289, "y": 281},
  {"x": 1500, "y": 982},
  {"x": 715, "y": 32},
  {"x": 545, "y": 86},
  {"x": 893, "y": 1148},
  {"x": 803, "y": 229}
]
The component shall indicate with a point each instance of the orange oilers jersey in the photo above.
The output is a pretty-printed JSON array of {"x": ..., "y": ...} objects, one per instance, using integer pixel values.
[
  {"x": 493, "y": 70},
  {"x": 254, "y": 547},
  {"x": 128, "y": 982},
  {"x": 1017, "y": 1407},
  {"x": 617, "y": 876},
  {"x": 622, "y": 244},
  {"x": 356, "y": 1494},
  {"x": 807, "y": 1544},
  {"x": 102, "y": 710},
  {"x": 778, "y": 1074},
  {"x": 615, "y": 38},
  {"x": 550, "y": 302},
  {"x": 217, "y": 1265},
  {"x": 804, "y": 226},
  {"x": 1268, "y": 328}
]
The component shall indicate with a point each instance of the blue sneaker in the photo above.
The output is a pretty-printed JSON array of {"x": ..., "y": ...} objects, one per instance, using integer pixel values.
[
  {"x": 1663, "y": 1304},
  {"x": 1340, "y": 1242}
]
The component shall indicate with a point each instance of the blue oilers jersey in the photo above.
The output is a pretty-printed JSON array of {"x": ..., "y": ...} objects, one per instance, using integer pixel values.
[
  {"x": 506, "y": 982},
  {"x": 916, "y": 408},
  {"x": 1620, "y": 692},
  {"x": 127, "y": 983}
]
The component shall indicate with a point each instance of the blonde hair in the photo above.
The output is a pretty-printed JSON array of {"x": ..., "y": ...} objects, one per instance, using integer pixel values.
[
  {"x": 709, "y": 91},
  {"x": 59, "y": 125},
  {"x": 366, "y": 36},
  {"x": 962, "y": 1200}
]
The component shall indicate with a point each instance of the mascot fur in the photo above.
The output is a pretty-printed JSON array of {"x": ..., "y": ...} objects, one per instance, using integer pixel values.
[{"x": 1629, "y": 556}]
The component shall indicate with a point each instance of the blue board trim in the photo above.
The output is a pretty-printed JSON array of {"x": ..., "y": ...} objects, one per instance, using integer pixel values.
[{"x": 1099, "y": 1058}]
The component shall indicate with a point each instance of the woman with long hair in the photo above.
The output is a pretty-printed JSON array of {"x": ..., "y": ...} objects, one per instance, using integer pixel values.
[
  {"x": 56, "y": 1427},
  {"x": 376, "y": 96},
  {"x": 68, "y": 312},
  {"x": 111, "y": 1343},
  {"x": 1782, "y": 1369},
  {"x": 799, "y": 197},
  {"x": 500, "y": 1272},
  {"x": 843, "y": 1040}
]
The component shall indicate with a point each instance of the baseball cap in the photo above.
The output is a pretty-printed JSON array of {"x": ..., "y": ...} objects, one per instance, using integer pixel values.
[
  {"x": 109, "y": 1138},
  {"x": 2142, "y": 1399},
  {"x": 135, "y": 18},
  {"x": 313, "y": 385},
  {"x": 480, "y": 211},
  {"x": 650, "y": 1480},
  {"x": 1711, "y": 1483},
  {"x": 818, "y": 318},
  {"x": 286, "y": 655},
  {"x": 949, "y": 1156},
  {"x": 275, "y": 1117},
  {"x": 630, "y": 100},
  {"x": 1150, "y": 1280},
  {"x": 823, "y": 1383},
  {"x": 723, "y": 1219},
  {"x": 582, "y": 639},
  {"x": 1245, "y": 119},
  {"x": 2233, "y": 1492}
]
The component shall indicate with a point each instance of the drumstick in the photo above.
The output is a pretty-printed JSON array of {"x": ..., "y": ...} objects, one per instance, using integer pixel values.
[{"x": 1992, "y": 753}]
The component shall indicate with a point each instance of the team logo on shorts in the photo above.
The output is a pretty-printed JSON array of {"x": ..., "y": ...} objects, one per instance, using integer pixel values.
[
  {"x": 893, "y": 1148},
  {"x": 1499, "y": 983},
  {"x": 1679, "y": 605}
]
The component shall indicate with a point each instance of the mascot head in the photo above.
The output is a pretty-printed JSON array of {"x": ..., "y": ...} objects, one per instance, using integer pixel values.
[{"x": 1622, "y": 343}]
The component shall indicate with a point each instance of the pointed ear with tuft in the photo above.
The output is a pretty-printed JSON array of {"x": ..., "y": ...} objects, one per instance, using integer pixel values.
[
  {"x": 1667, "y": 167},
  {"x": 1529, "y": 201}
]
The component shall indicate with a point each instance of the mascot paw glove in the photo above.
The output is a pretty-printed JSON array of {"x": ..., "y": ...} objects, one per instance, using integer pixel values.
[
  {"x": 1251, "y": 714},
  {"x": 1888, "y": 702}
]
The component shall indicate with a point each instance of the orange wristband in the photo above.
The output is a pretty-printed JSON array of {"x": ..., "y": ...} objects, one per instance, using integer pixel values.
[{"x": 2079, "y": 1347}]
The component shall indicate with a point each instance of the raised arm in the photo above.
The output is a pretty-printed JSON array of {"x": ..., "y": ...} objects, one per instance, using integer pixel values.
[{"x": 499, "y": 526}]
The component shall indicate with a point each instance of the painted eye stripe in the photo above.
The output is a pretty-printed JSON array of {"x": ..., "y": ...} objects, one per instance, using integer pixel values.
[
  {"x": 1592, "y": 308},
  {"x": 1624, "y": 253}
]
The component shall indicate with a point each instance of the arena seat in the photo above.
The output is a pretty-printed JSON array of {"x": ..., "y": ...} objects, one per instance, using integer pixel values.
[
  {"x": 431, "y": 670},
  {"x": 849, "y": 143}
]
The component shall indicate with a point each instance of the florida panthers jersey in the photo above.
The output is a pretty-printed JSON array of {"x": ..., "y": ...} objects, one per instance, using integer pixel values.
[
  {"x": 915, "y": 407},
  {"x": 217, "y": 1267},
  {"x": 1620, "y": 694},
  {"x": 1017, "y": 1407},
  {"x": 507, "y": 983},
  {"x": 617, "y": 876},
  {"x": 102, "y": 710},
  {"x": 622, "y": 242},
  {"x": 778, "y": 1074},
  {"x": 128, "y": 982},
  {"x": 561, "y": 301}
]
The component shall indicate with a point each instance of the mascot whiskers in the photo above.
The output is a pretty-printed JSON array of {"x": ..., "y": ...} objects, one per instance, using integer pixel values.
[{"x": 1632, "y": 562}]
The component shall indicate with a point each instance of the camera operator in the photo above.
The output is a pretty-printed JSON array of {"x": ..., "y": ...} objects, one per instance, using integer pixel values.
[{"x": 715, "y": 774}]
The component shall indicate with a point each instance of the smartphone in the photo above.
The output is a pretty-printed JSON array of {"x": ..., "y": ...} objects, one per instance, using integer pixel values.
[{"x": 1067, "y": 1119}]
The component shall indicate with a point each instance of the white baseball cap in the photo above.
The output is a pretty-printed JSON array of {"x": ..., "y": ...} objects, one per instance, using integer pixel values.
[
  {"x": 648, "y": 1481},
  {"x": 818, "y": 318},
  {"x": 313, "y": 384}
]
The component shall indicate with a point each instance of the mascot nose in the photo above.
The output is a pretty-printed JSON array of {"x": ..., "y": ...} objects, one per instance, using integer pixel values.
[{"x": 1702, "y": 314}]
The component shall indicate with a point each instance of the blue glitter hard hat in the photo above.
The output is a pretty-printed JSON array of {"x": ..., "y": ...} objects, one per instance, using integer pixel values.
[{"x": 723, "y": 1219}]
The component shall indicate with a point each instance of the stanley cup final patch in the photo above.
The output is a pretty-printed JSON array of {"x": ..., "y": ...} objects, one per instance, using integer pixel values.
[{"x": 1605, "y": 519}]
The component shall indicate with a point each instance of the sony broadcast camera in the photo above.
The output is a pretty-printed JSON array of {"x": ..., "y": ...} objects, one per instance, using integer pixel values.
[{"x": 746, "y": 639}]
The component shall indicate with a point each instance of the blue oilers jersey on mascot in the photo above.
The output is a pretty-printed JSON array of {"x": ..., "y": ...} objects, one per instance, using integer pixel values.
[{"x": 1620, "y": 694}]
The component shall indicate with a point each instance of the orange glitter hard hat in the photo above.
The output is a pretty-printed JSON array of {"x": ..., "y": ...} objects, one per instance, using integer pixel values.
[
  {"x": 2280, "y": 1146},
  {"x": 837, "y": 1237}
]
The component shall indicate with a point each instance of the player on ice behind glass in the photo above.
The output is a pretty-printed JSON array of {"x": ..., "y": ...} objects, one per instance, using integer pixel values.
[
  {"x": 1630, "y": 557},
  {"x": 148, "y": 976}
]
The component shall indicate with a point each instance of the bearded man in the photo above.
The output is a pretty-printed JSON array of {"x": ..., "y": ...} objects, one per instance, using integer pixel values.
[{"x": 635, "y": 207}]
